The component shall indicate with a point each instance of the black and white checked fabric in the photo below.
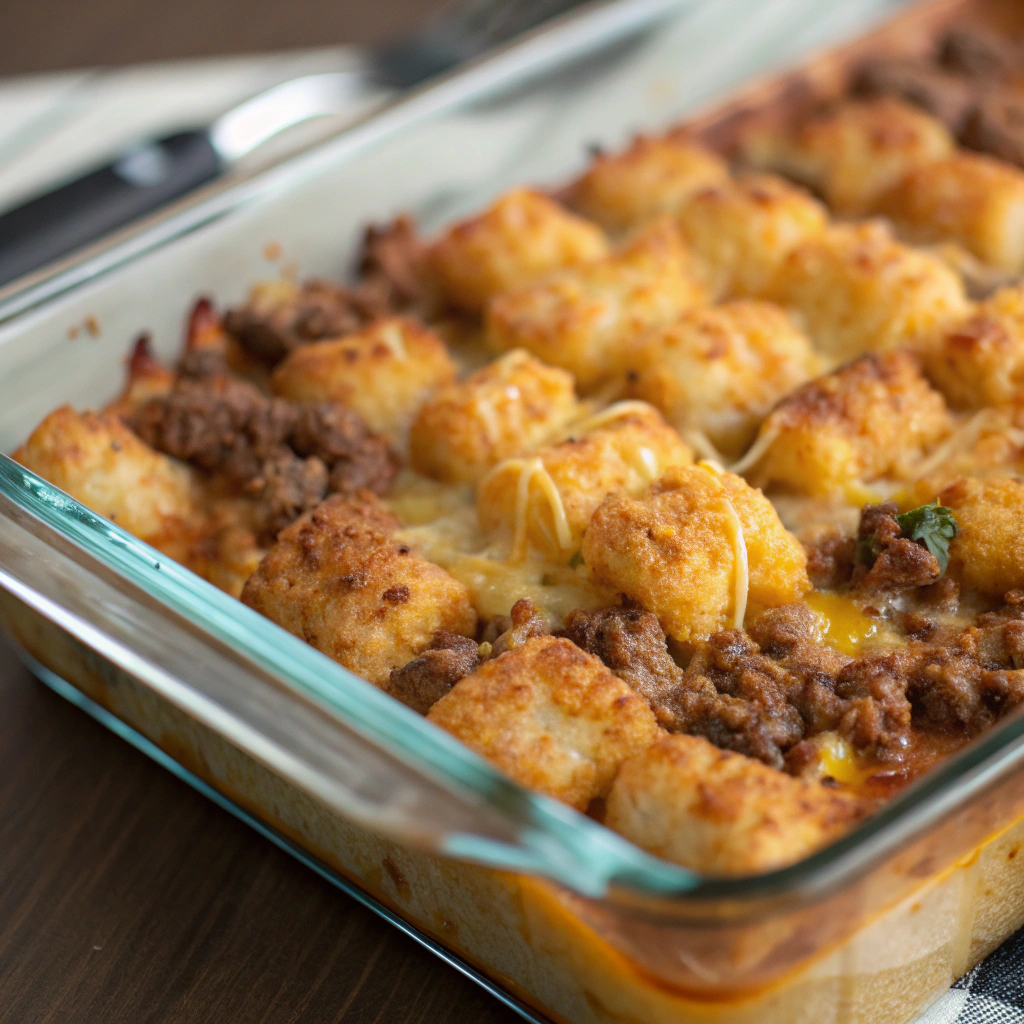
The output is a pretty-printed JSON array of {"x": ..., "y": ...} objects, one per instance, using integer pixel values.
[{"x": 993, "y": 993}]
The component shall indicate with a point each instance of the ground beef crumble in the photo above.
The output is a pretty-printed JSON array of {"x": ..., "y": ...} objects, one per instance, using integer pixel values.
[
  {"x": 391, "y": 280},
  {"x": 888, "y": 561},
  {"x": 765, "y": 692},
  {"x": 425, "y": 680},
  {"x": 287, "y": 456}
]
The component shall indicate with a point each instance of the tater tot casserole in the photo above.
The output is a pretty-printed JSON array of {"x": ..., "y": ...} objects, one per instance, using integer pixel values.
[{"x": 689, "y": 494}]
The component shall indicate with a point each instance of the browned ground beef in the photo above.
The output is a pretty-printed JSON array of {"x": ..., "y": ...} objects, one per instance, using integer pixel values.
[
  {"x": 964, "y": 87},
  {"x": 286, "y": 487},
  {"x": 977, "y": 52},
  {"x": 762, "y": 693},
  {"x": 523, "y": 624},
  {"x": 286, "y": 455},
  {"x": 632, "y": 644},
  {"x": 830, "y": 559},
  {"x": 391, "y": 281},
  {"x": 358, "y": 459},
  {"x": 888, "y": 561},
  {"x": 946, "y": 96},
  {"x": 425, "y": 680},
  {"x": 996, "y": 125}
]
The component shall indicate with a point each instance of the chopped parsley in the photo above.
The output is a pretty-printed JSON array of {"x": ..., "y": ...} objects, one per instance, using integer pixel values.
[
  {"x": 576, "y": 561},
  {"x": 931, "y": 526}
]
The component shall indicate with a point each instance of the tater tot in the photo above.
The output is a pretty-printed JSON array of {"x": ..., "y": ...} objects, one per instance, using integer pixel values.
[
  {"x": 697, "y": 550},
  {"x": 987, "y": 555},
  {"x": 550, "y": 716},
  {"x": 508, "y": 407},
  {"x": 721, "y": 813},
  {"x": 652, "y": 176},
  {"x": 546, "y": 500},
  {"x": 584, "y": 319},
  {"x": 740, "y": 231},
  {"x": 875, "y": 418},
  {"x": 523, "y": 236},
  {"x": 972, "y": 199},
  {"x": 102, "y": 464},
  {"x": 857, "y": 290},
  {"x": 720, "y": 369},
  {"x": 339, "y": 580},
  {"x": 383, "y": 373},
  {"x": 980, "y": 361},
  {"x": 855, "y": 151}
]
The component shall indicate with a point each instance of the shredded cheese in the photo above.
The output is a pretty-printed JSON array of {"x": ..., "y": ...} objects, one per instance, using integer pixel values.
[
  {"x": 741, "y": 577},
  {"x": 392, "y": 337},
  {"x": 489, "y": 418},
  {"x": 758, "y": 449},
  {"x": 702, "y": 445},
  {"x": 966, "y": 435},
  {"x": 705, "y": 447},
  {"x": 530, "y": 470},
  {"x": 615, "y": 411}
]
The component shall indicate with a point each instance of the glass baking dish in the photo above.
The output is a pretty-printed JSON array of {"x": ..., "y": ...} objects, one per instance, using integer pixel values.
[{"x": 562, "y": 913}]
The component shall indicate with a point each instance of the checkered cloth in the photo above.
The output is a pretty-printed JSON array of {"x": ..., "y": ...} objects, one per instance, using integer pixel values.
[{"x": 993, "y": 993}]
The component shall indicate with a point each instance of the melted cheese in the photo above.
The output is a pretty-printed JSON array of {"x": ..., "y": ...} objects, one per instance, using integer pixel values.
[
  {"x": 965, "y": 436},
  {"x": 842, "y": 624},
  {"x": 392, "y": 337},
  {"x": 489, "y": 417},
  {"x": 615, "y": 411},
  {"x": 530, "y": 470},
  {"x": 704, "y": 446},
  {"x": 495, "y": 583},
  {"x": 741, "y": 577},
  {"x": 757, "y": 450},
  {"x": 839, "y": 760}
]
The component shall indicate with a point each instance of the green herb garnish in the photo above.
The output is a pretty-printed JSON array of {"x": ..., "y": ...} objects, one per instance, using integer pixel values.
[
  {"x": 576, "y": 561},
  {"x": 932, "y": 526}
]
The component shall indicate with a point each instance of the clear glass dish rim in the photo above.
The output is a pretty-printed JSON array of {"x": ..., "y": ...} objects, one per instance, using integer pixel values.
[{"x": 632, "y": 877}]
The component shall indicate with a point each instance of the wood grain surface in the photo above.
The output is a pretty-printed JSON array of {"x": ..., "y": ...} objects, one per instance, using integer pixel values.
[
  {"x": 127, "y": 898},
  {"x": 49, "y": 35}
]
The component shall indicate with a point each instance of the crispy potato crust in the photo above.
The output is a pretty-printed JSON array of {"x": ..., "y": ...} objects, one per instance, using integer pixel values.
[
  {"x": 980, "y": 361},
  {"x": 620, "y": 453},
  {"x": 740, "y": 231},
  {"x": 987, "y": 554},
  {"x": 674, "y": 550},
  {"x": 584, "y": 318},
  {"x": 856, "y": 151},
  {"x": 651, "y": 177},
  {"x": 550, "y": 716},
  {"x": 720, "y": 369},
  {"x": 523, "y": 236},
  {"x": 874, "y": 418},
  {"x": 509, "y": 406},
  {"x": 337, "y": 579},
  {"x": 722, "y": 813},
  {"x": 858, "y": 290},
  {"x": 968, "y": 198},
  {"x": 383, "y": 373},
  {"x": 101, "y": 463}
]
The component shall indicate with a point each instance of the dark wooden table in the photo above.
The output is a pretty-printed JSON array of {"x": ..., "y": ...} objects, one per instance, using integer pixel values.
[{"x": 125, "y": 896}]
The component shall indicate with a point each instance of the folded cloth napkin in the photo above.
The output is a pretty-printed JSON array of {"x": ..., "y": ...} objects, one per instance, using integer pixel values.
[{"x": 55, "y": 126}]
